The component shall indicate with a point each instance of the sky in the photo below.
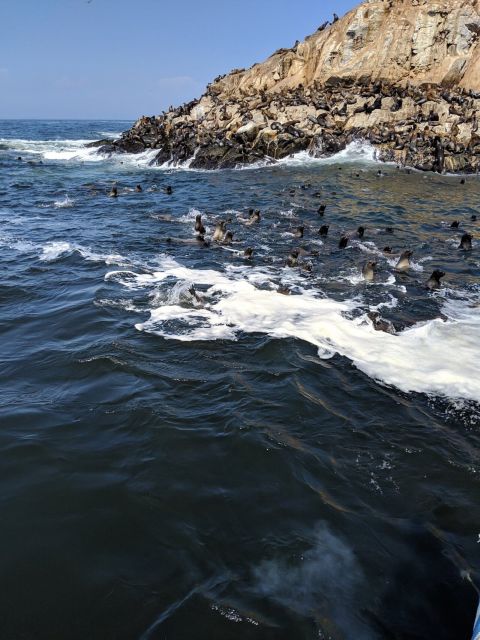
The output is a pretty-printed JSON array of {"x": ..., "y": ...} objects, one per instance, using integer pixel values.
[{"x": 119, "y": 59}]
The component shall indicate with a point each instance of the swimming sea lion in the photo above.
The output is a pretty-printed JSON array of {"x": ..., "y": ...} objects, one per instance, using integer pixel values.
[
  {"x": 321, "y": 209},
  {"x": 473, "y": 218},
  {"x": 380, "y": 324},
  {"x": 323, "y": 231},
  {"x": 255, "y": 217},
  {"x": 168, "y": 190},
  {"x": 361, "y": 232},
  {"x": 138, "y": 188},
  {"x": 368, "y": 270},
  {"x": 455, "y": 224},
  {"x": 228, "y": 239},
  {"x": 466, "y": 242},
  {"x": 292, "y": 260},
  {"x": 192, "y": 291},
  {"x": 199, "y": 225},
  {"x": 306, "y": 251},
  {"x": 299, "y": 232},
  {"x": 113, "y": 192},
  {"x": 404, "y": 262},
  {"x": 434, "y": 281},
  {"x": 220, "y": 230},
  {"x": 248, "y": 253},
  {"x": 198, "y": 240},
  {"x": 387, "y": 249},
  {"x": 343, "y": 242}
]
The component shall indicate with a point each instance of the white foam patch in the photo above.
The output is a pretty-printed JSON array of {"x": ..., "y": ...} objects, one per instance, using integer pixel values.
[
  {"x": 64, "y": 203},
  {"x": 436, "y": 357},
  {"x": 55, "y": 250},
  {"x": 357, "y": 151},
  {"x": 110, "y": 135},
  {"x": 74, "y": 150}
]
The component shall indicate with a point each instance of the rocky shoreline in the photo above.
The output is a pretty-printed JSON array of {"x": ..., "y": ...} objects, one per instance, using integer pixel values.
[
  {"x": 403, "y": 75},
  {"x": 430, "y": 128}
]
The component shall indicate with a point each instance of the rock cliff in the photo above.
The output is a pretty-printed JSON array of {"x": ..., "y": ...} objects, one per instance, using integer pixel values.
[{"x": 402, "y": 74}]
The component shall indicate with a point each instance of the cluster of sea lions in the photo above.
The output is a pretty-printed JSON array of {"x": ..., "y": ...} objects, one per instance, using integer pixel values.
[
  {"x": 431, "y": 127},
  {"x": 114, "y": 193},
  {"x": 223, "y": 236}
]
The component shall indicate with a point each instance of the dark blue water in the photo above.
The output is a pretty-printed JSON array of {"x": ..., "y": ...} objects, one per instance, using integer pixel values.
[{"x": 254, "y": 465}]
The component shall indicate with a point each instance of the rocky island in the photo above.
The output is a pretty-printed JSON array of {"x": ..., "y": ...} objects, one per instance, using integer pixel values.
[{"x": 403, "y": 75}]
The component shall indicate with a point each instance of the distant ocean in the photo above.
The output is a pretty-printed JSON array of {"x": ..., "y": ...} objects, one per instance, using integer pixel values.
[{"x": 260, "y": 463}]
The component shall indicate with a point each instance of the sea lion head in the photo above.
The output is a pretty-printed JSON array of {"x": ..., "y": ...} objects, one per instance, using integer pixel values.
[
  {"x": 434, "y": 280},
  {"x": 403, "y": 263},
  {"x": 466, "y": 242},
  {"x": 368, "y": 270}
]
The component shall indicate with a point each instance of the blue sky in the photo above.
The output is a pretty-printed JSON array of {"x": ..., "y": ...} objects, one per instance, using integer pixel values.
[{"x": 119, "y": 59}]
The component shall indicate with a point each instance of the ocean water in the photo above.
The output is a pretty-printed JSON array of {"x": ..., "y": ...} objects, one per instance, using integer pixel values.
[{"x": 252, "y": 465}]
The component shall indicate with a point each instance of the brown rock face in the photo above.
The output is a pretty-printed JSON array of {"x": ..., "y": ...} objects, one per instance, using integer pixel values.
[
  {"x": 396, "y": 41},
  {"x": 401, "y": 74}
]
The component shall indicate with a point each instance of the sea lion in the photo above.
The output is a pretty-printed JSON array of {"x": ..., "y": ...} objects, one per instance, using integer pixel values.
[
  {"x": 368, "y": 270},
  {"x": 455, "y": 224},
  {"x": 404, "y": 262},
  {"x": 198, "y": 241},
  {"x": 292, "y": 260},
  {"x": 248, "y": 253},
  {"x": 380, "y": 324},
  {"x": 323, "y": 231},
  {"x": 434, "y": 281},
  {"x": 466, "y": 242},
  {"x": 343, "y": 242},
  {"x": 387, "y": 249},
  {"x": 299, "y": 232},
  {"x": 220, "y": 230},
  {"x": 321, "y": 209},
  {"x": 138, "y": 188},
  {"x": 361, "y": 232},
  {"x": 389, "y": 230},
  {"x": 113, "y": 192},
  {"x": 228, "y": 239},
  {"x": 168, "y": 190},
  {"x": 192, "y": 291},
  {"x": 473, "y": 218},
  {"x": 306, "y": 251},
  {"x": 199, "y": 225},
  {"x": 255, "y": 217}
]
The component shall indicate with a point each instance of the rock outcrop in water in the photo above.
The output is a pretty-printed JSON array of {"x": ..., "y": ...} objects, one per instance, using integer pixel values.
[{"x": 401, "y": 74}]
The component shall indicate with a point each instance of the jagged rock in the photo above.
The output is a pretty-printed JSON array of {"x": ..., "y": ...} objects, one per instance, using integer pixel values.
[{"x": 402, "y": 74}]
